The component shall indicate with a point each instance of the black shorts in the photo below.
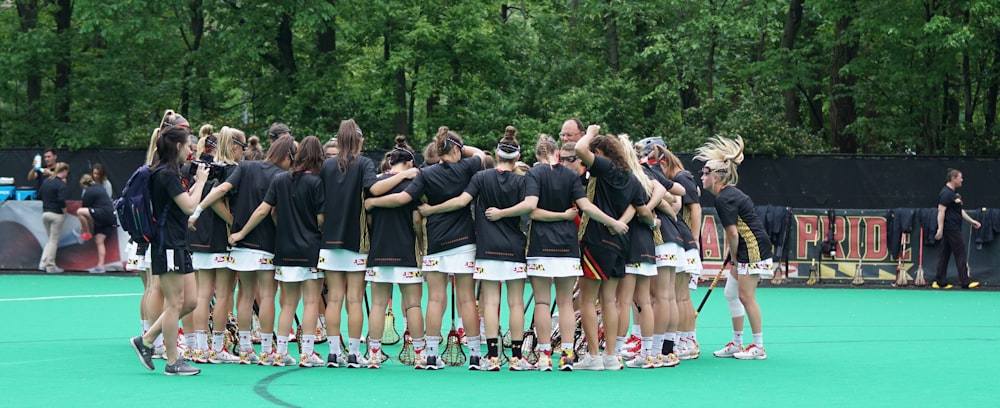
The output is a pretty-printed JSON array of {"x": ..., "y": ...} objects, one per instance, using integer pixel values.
[
  {"x": 103, "y": 216},
  {"x": 104, "y": 229},
  {"x": 601, "y": 263},
  {"x": 181, "y": 262}
]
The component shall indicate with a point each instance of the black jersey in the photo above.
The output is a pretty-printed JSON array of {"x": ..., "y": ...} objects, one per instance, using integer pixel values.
[
  {"x": 500, "y": 240},
  {"x": 614, "y": 190},
  {"x": 557, "y": 189},
  {"x": 95, "y": 197},
  {"x": 344, "y": 207},
  {"x": 692, "y": 194},
  {"x": 668, "y": 224},
  {"x": 952, "y": 201},
  {"x": 53, "y": 195},
  {"x": 393, "y": 238},
  {"x": 440, "y": 183},
  {"x": 297, "y": 199},
  {"x": 736, "y": 208},
  {"x": 250, "y": 182},
  {"x": 168, "y": 184}
]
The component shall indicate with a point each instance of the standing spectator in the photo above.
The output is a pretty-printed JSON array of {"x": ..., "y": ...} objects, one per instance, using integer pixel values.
[
  {"x": 96, "y": 215},
  {"x": 53, "y": 195},
  {"x": 949, "y": 228},
  {"x": 100, "y": 177},
  {"x": 49, "y": 157}
]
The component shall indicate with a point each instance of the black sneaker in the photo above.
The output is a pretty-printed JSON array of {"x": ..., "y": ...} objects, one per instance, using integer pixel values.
[
  {"x": 432, "y": 363},
  {"x": 145, "y": 353},
  {"x": 474, "y": 363},
  {"x": 333, "y": 361},
  {"x": 352, "y": 361},
  {"x": 180, "y": 367}
]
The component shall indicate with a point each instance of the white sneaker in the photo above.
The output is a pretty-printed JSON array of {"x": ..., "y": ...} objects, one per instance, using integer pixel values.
[
  {"x": 521, "y": 364},
  {"x": 728, "y": 351},
  {"x": 694, "y": 349},
  {"x": 752, "y": 352},
  {"x": 311, "y": 360},
  {"x": 612, "y": 363},
  {"x": 681, "y": 350},
  {"x": 284, "y": 360},
  {"x": 636, "y": 362},
  {"x": 589, "y": 362},
  {"x": 544, "y": 362},
  {"x": 248, "y": 358},
  {"x": 160, "y": 352},
  {"x": 667, "y": 361},
  {"x": 222, "y": 357}
]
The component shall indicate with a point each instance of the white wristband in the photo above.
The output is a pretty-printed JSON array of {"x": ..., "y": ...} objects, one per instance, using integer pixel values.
[{"x": 197, "y": 212}]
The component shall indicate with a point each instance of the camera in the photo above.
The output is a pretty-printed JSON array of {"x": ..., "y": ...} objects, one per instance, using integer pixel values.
[{"x": 216, "y": 171}]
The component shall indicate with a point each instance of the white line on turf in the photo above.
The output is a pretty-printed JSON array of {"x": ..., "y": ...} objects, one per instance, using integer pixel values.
[{"x": 68, "y": 297}]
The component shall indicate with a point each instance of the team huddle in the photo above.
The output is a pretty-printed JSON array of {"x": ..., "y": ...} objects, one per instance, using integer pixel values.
[{"x": 613, "y": 225}]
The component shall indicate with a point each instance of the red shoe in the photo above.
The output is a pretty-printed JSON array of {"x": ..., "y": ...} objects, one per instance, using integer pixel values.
[{"x": 86, "y": 236}]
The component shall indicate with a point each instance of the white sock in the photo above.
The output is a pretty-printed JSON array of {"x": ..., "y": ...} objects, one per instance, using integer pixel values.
[
  {"x": 245, "y": 343},
  {"x": 566, "y": 347},
  {"x": 266, "y": 341},
  {"x": 647, "y": 346},
  {"x": 202, "y": 338},
  {"x": 334, "y": 342},
  {"x": 694, "y": 335},
  {"x": 145, "y": 325},
  {"x": 191, "y": 341},
  {"x": 619, "y": 345},
  {"x": 354, "y": 346},
  {"x": 657, "y": 342},
  {"x": 758, "y": 339},
  {"x": 737, "y": 337},
  {"x": 306, "y": 344},
  {"x": 282, "y": 345},
  {"x": 419, "y": 344},
  {"x": 158, "y": 341},
  {"x": 474, "y": 346},
  {"x": 636, "y": 330},
  {"x": 670, "y": 336},
  {"x": 374, "y": 347},
  {"x": 432, "y": 345},
  {"x": 545, "y": 347},
  {"x": 218, "y": 341}
]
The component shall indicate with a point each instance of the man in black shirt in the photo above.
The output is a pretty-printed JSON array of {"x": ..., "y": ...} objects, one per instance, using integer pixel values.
[{"x": 949, "y": 231}]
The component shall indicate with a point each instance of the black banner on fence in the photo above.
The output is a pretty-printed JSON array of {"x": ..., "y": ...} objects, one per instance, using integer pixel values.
[{"x": 809, "y": 229}]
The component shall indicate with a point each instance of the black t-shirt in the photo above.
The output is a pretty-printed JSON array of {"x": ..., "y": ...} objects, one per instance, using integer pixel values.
[
  {"x": 297, "y": 199},
  {"x": 615, "y": 189},
  {"x": 557, "y": 189},
  {"x": 691, "y": 193},
  {"x": 212, "y": 233},
  {"x": 500, "y": 240},
  {"x": 250, "y": 181},
  {"x": 168, "y": 184},
  {"x": 952, "y": 201},
  {"x": 345, "y": 202},
  {"x": 668, "y": 224},
  {"x": 736, "y": 208},
  {"x": 393, "y": 238},
  {"x": 53, "y": 195},
  {"x": 441, "y": 183},
  {"x": 95, "y": 197}
]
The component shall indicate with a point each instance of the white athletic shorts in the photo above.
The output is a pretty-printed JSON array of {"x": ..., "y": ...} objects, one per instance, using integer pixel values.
[
  {"x": 204, "y": 261},
  {"x": 499, "y": 271},
  {"x": 250, "y": 260},
  {"x": 394, "y": 274},
  {"x": 641, "y": 269},
  {"x": 461, "y": 260},
  {"x": 297, "y": 273},
  {"x": 136, "y": 262},
  {"x": 342, "y": 260},
  {"x": 668, "y": 254},
  {"x": 762, "y": 268},
  {"x": 547, "y": 267}
]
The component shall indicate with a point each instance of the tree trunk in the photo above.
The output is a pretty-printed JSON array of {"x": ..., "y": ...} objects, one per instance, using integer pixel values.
[
  {"x": 842, "y": 106},
  {"x": 399, "y": 118},
  {"x": 27, "y": 11},
  {"x": 710, "y": 71},
  {"x": 611, "y": 39},
  {"x": 990, "y": 107},
  {"x": 286, "y": 50},
  {"x": 791, "y": 96},
  {"x": 64, "y": 63},
  {"x": 950, "y": 112}
]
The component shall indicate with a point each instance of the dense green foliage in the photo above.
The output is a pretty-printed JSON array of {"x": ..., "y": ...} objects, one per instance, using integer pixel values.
[{"x": 850, "y": 76}]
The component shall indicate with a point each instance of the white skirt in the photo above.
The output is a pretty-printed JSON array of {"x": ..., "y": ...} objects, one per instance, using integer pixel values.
[
  {"x": 499, "y": 271},
  {"x": 395, "y": 274},
  {"x": 136, "y": 262},
  {"x": 456, "y": 260},
  {"x": 342, "y": 260},
  {"x": 668, "y": 254},
  {"x": 641, "y": 269},
  {"x": 205, "y": 261},
  {"x": 297, "y": 273},
  {"x": 692, "y": 263},
  {"x": 250, "y": 260},
  {"x": 762, "y": 268},
  {"x": 547, "y": 267}
]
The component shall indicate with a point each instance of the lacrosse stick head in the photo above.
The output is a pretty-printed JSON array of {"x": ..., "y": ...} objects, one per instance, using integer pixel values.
[{"x": 453, "y": 354}]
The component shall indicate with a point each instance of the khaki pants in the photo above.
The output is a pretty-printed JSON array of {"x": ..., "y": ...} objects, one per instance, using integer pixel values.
[{"x": 53, "y": 227}]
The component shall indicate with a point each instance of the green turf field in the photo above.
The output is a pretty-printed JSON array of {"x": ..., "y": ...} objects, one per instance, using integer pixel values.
[{"x": 64, "y": 342}]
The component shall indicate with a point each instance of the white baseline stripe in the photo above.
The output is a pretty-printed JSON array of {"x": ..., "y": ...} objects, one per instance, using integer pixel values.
[{"x": 69, "y": 297}]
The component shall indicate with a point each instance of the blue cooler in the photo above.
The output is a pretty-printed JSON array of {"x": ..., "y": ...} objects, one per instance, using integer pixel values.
[
  {"x": 6, "y": 193},
  {"x": 23, "y": 194}
]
